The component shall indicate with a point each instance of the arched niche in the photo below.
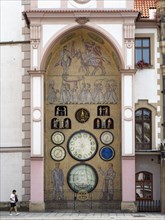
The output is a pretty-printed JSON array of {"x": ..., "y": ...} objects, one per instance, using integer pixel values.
[{"x": 82, "y": 72}]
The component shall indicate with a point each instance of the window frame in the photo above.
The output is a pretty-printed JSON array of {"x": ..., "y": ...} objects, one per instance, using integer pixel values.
[
  {"x": 141, "y": 122},
  {"x": 142, "y": 183},
  {"x": 142, "y": 48},
  {"x": 152, "y": 51}
]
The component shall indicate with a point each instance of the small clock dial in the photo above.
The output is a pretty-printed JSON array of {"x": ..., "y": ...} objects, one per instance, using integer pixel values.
[
  {"x": 82, "y": 145},
  {"x": 58, "y": 138},
  {"x": 82, "y": 177},
  {"x": 82, "y": 115},
  {"x": 107, "y": 153},
  {"x": 58, "y": 153},
  {"x": 107, "y": 137}
]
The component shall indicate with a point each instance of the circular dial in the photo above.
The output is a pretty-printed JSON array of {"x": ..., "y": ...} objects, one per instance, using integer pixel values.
[
  {"x": 58, "y": 153},
  {"x": 82, "y": 145},
  {"x": 58, "y": 137},
  {"x": 81, "y": 1},
  {"x": 82, "y": 115},
  {"x": 107, "y": 153},
  {"x": 82, "y": 177},
  {"x": 106, "y": 137}
]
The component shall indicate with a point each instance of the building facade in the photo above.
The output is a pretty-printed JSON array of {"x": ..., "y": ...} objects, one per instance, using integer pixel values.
[{"x": 82, "y": 93}]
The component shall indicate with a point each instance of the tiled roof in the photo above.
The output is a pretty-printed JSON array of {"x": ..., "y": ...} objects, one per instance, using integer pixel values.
[
  {"x": 143, "y": 6},
  {"x": 79, "y": 10}
]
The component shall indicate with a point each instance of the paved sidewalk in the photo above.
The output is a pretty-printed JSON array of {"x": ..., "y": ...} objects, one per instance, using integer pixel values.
[{"x": 4, "y": 215}]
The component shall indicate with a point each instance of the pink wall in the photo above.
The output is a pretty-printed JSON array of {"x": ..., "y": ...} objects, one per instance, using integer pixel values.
[
  {"x": 128, "y": 179},
  {"x": 37, "y": 180}
]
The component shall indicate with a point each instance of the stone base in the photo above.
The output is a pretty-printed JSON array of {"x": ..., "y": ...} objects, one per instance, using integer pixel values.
[
  {"x": 36, "y": 206},
  {"x": 84, "y": 206},
  {"x": 129, "y": 206}
]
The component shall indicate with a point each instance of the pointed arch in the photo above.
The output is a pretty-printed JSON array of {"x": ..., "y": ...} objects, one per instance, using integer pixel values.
[{"x": 64, "y": 31}]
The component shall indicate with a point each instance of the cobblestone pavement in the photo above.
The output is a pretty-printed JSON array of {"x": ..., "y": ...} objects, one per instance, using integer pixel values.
[{"x": 4, "y": 215}]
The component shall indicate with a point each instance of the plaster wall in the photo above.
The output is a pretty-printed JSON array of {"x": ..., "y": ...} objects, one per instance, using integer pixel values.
[
  {"x": 11, "y": 96},
  {"x": 115, "y": 30},
  {"x": 146, "y": 85},
  {"x": 150, "y": 163},
  {"x": 128, "y": 179},
  {"x": 11, "y": 21},
  {"x": 49, "y": 4},
  {"x": 115, "y": 4},
  {"x": 111, "y": 4},
  {"x": 10, "y": 175},
  {"x": 146, "y": 80},
  {"x": 48, "y": 30}
]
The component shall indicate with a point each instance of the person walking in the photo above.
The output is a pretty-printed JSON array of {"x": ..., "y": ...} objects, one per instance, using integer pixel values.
[{"x": 13, "y": 201}]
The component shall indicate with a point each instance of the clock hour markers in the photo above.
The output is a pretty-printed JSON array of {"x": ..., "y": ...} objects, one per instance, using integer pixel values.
[
  {"x": 58, "y": 153},
  {"x": 58, "y": 138},
  {"x": 82, "y": 145}
]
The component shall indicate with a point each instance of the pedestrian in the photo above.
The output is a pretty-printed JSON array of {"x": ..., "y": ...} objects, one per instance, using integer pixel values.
[{"x": 13, "y": 201}]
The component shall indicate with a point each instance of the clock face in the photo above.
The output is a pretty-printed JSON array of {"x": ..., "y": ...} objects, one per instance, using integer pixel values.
[
  {"x": 107, "y": 137},
  {"x": 82, "y": 177},
  {"x": 107, "y": 153},
  {"x": 82, "y": 145},
  {"x": 58, "y": 153},
  {"x": 58, "y": 137}
]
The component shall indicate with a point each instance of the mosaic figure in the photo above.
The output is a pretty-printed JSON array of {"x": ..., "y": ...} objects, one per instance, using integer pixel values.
[
  {"x": 110, "y": 94},
  {"x": 63, "y": 94},
  {"x": 58, "y": 182},
  {"x": 83, "y": 95},
  {"x": 51, "y": 92},
  {"x": 98, "y": 93},
  {"x": 89, "y": 94},
  {"x": 108, "y": 182},
  {"x": 65, "y": 61},
  {"x": 93, "y": 57},
  {"x": 74, "y": 94}
]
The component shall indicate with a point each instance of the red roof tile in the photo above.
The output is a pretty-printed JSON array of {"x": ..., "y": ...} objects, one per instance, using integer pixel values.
[{"x": 143, "y": 6}]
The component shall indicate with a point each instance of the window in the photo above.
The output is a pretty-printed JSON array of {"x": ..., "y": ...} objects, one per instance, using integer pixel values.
[
  {"x": 163, "y": 59},
  {"x": 144, "y": 186},
  {"x": 142, "y": 49},
  {"x": 143, "y": 129}
]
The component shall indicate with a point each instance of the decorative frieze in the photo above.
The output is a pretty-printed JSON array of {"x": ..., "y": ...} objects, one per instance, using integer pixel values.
[
  {"x": 35, "y": 40},
  {"x": 129, "y": 43},
  {"x": 129, "y": 31},
  {"x": 35, "y": 32},
  {"x": 82, "y": 20},
  {"x": 35, "y": 44},
  {"x": 129, "y": 35}
]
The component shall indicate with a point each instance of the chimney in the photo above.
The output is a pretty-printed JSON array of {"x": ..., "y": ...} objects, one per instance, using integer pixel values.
[{"x": 152, "y": 13}]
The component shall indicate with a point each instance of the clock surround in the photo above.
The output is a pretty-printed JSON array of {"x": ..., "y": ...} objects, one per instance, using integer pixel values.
[{"x": 82, "y": 145}]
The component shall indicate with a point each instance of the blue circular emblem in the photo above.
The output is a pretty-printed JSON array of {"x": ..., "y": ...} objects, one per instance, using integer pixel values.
[{"x": 107, "y": 153}]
